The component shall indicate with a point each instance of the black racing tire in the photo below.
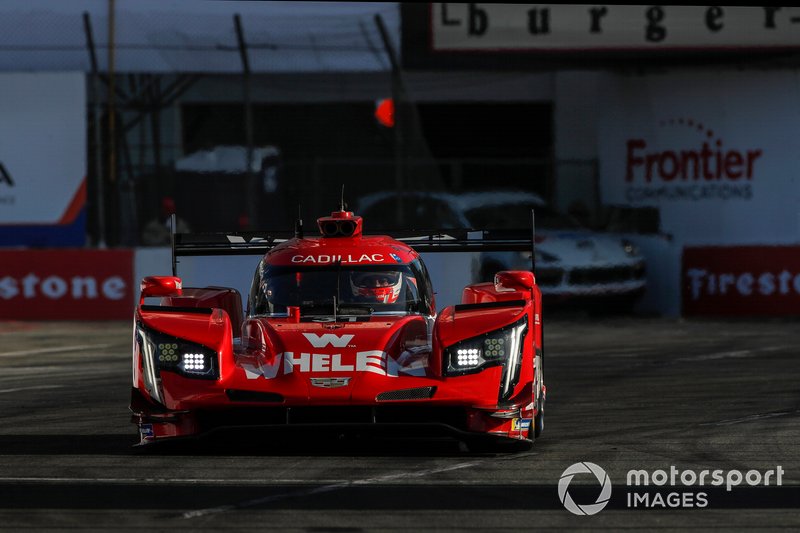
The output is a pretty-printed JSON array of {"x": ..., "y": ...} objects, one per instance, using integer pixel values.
[
  {"x": 537, "y": 426},
  {"x": 538, "y": 421}
]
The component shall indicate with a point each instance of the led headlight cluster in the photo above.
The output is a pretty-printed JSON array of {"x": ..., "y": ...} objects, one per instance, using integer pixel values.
[
  {"x": 494, "y": 347},
  {"x": 164, "y": 352},
  {"x": 167, "y": 352},
  {"x": 467, "y": 356},
  {"x": 489, "y": 349},
  {"x": 194, "y": 363},
  {"x": 502, "y": 347}
]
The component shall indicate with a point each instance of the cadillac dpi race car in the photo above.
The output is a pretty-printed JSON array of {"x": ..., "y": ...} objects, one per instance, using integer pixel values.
[{"x": 340, "y": 330}]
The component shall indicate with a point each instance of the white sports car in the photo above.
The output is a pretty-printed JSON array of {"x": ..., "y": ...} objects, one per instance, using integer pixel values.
[{"x": 572, "y": 262}]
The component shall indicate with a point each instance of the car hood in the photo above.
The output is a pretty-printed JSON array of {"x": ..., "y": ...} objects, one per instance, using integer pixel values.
[{"x": 383, "y": 345}]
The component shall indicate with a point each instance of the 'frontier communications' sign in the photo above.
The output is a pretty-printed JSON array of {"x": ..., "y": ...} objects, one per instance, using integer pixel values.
[
  {"x": 699, "y": 166},
  {"x": 714, "y": 150},
  {"x": 522, "y": 27}
]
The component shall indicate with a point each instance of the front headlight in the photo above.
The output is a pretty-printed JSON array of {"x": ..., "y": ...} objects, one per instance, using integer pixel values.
[
  {"x": 629, "y": 247},
  {"x": 502, "y": 347},
  {"x": 174, "y": 354}
]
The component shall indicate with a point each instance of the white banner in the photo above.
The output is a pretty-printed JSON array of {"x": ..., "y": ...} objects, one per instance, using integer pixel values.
[
  {"x": 520, "y": 27},
  {"x": 717, "y": 151},
  {"x": 42, "y": 147}
]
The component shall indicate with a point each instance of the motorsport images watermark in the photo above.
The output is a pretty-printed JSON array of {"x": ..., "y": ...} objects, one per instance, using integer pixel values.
[{"x": 674, "y": 478}]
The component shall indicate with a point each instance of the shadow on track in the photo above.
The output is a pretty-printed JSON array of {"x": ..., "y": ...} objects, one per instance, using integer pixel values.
[
  {"x": 102, "y": 444},
  {"x": 176, "y": 497},
  {"x": 235, "y": 442},
  {"x": 302, "y": 442}
]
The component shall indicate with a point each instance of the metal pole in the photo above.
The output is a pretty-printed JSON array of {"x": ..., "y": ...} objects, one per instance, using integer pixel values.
[
  {"x": 112, "y": 145},
  {"x": 98, "y": 148},
  {"x": 250, "y": 187},
  {"x": 533, "y": 241},
  {"x": 173, "y": 228},
  {"x": 399, "y": 120},
  {"x": 111, "y": 112}
]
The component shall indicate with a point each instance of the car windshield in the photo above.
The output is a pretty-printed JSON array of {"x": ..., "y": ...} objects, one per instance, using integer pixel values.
[
  {"x": 355, "y": 289},
  {"x": 515, "y": 216}
]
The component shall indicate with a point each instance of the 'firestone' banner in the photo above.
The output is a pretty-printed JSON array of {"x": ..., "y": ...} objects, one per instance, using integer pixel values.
[
  {"x": 66, "y": 284},
  {"x": 741, "y": 280}
]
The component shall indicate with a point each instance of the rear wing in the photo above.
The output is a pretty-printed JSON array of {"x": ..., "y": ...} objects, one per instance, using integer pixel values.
[
  {"x": 422, "y": 241},
  {"x": 233, "y": 243}
]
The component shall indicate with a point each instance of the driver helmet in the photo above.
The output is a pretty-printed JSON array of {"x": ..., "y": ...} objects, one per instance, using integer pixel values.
[{"x": 383, "y": 287}]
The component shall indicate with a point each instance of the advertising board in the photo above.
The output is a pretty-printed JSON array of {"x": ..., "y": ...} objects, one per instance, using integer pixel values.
[
  {"x": 741, "y": 280},
  {"x": 66, "y": 284},
  {"x": 714, "y": 150},
  {"x": 42, "y": 159},
  {"x": 496, "y": 28}
]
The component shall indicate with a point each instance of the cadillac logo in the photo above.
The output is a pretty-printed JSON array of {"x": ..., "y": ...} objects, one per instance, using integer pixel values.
[{"x": 330, "y": 383}]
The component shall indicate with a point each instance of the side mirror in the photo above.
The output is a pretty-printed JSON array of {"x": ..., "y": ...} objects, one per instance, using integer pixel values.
[
  {"x": 160, "y": 286},
  {"x": 517, "y": 280}
]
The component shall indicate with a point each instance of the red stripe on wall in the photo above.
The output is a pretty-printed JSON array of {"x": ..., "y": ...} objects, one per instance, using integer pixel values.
[{"x": 74, "y": 208}]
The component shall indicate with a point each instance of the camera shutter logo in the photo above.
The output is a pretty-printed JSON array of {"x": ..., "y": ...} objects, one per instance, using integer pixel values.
[{"x": 587, "y": 509}]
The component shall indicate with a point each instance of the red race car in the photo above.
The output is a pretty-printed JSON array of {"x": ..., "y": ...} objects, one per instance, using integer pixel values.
[{"x": 341, "y": 330}]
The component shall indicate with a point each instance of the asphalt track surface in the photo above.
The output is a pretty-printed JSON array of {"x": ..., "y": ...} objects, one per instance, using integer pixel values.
[{"x": 624, "y": 394}]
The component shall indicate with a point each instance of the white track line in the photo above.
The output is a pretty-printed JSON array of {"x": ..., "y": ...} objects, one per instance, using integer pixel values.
[
  {"x": 750, "y": 418},
  {"x": 35, "y": 387},
  {"x": 163, "y": 481},
  {"x": 192, "y": 481},
  {"x": 56, "y": 349},
  {"x": 324, "y": 488},
  {"x": 733, "y": 354}
]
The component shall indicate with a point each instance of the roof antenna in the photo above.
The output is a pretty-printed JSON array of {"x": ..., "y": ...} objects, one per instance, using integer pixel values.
[
  {"x": 342, "y": 205},
  {"x": 298, "y": 224}
]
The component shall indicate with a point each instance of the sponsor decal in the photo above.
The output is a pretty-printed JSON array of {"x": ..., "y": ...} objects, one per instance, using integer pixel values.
[
  {"x": 321, "y": 341},
  {"x": 374, "y": 361},
  {"x": 685, "y": 489},
  {"x": 238, "y": 239},
  {"x": 698, "y": 167},
  {"x": 330, "y": 383},
  {"x": 519, "y": 424},
  {"x": 349, "y": 258},
  {"x": 146, "y": 431},
  {"x": 396, "y": 258},
  {"x": 68, "y": 284},
  {"x": 741, "y": 280}
]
